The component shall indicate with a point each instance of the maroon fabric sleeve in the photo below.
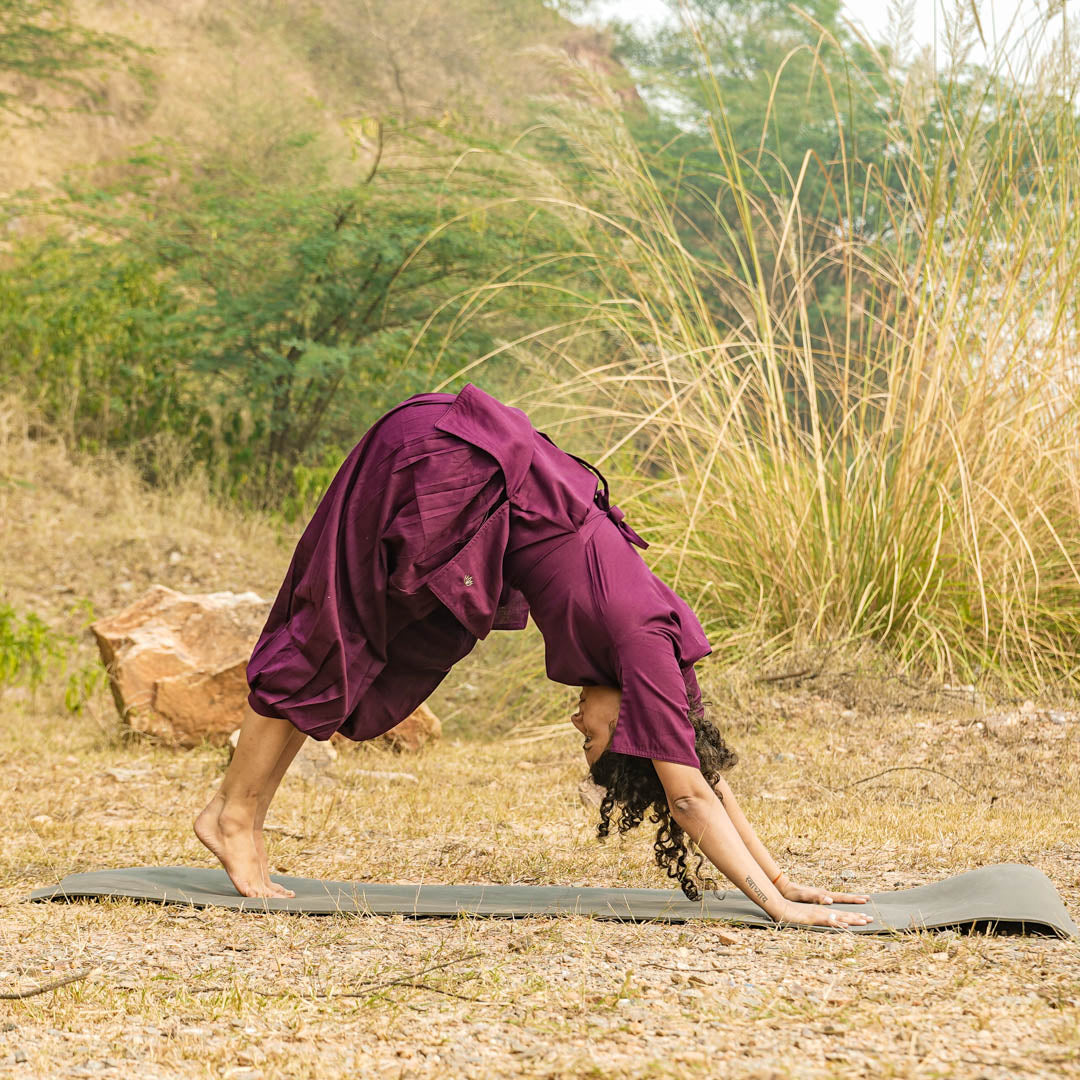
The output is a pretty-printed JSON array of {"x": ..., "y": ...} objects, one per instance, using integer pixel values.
[{"x": 653, "y": 720}]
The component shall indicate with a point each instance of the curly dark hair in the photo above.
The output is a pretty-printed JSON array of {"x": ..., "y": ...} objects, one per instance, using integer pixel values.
[{"x": 631, "y": 785}]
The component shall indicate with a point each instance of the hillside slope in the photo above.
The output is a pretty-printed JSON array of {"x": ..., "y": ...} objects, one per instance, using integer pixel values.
[{"x": 249, "y": 70}]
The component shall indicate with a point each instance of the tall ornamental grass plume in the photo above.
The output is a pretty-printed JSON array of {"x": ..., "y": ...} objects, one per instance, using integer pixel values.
[{"x": 841, "y": 399}]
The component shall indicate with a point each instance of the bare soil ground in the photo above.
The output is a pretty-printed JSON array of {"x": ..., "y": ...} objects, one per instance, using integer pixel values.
[{"x": 168, "y": 992}]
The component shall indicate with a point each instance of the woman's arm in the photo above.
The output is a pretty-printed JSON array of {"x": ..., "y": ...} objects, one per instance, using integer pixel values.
[
  {"x": 787, "y": 888},
  {"x": 700, "y": 814},
  {"x": 746, "y": 832}
]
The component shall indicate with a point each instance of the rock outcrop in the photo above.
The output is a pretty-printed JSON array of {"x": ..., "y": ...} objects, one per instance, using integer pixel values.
[
  {"x": 590, "y": 794},
  {"x": 177, "y": 667},
  {"x": 176, "y": 662},
  {"x": 417, "y": 729}
]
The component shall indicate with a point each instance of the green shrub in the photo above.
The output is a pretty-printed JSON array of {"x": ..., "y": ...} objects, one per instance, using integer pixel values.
[
  {"x": 263, "y": 324},
  {"x": 31, "y": 653}
]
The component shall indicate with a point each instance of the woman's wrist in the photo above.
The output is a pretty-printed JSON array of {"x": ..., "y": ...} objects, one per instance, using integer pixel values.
[
  {"x": 778, "y": 910},
  {"x": 781, "y": 911}
]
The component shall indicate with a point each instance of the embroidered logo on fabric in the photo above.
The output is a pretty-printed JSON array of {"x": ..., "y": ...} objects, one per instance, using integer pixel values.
[{"x": 468, "y": 579}]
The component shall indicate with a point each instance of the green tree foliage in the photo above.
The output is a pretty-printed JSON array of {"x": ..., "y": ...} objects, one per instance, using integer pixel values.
[
  {"x": 798, "y": 97},
  {"x": 773, "y": 121},
  {"x": 266, "y": 324},
  {"x": 87, "y": 331},
  {"x": 41, "y": 45},
  {"x": 28, "y": 647}
]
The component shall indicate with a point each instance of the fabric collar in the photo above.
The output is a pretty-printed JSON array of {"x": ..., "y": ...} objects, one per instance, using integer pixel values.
[{"x": 499, "y": 430}]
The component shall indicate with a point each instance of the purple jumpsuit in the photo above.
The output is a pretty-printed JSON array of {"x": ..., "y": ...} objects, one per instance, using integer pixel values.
[{"x": 453, "y": 516}]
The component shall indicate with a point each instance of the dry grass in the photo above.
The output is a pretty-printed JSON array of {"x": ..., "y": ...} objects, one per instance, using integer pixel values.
[
  {"x": 206, "y": 994},
  {"x": 840, "y": 401},
  {"x": 176, "y": 993},
  {"x": 90, "y": 530}
]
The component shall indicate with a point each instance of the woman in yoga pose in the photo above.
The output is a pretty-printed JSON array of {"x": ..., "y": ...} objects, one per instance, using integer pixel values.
[{"x": 453, "y": 516}]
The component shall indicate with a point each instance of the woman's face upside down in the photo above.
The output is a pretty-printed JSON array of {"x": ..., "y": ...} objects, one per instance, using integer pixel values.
[{"x": 596, "y": 716}]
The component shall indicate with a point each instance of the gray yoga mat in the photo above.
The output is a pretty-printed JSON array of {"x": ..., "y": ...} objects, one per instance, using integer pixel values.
[{"x": 1007, "y": 898}]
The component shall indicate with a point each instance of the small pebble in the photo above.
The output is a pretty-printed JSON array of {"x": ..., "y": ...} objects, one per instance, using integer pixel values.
[{"x": 20, "y": 1057}]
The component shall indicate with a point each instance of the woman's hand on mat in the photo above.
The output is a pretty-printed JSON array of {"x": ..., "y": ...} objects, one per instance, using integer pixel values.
[
  {"x": 821, "y": 915},
  {"x": 807, "y": 894}
]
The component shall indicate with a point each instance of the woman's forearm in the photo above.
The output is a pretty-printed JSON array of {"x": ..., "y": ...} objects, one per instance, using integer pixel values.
[
  {"x": 707, "y": 823},
  {"x": 697, "y": 809},
  {"x": 746, "y": 831},
  {"x": 700, "y": 814}
]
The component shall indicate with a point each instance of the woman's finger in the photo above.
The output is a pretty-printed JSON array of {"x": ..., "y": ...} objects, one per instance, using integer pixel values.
[{"x": 848, "y": 918}]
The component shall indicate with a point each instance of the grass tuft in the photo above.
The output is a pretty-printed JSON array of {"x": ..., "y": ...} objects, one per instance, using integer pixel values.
[{"x": 844, "y": 420}]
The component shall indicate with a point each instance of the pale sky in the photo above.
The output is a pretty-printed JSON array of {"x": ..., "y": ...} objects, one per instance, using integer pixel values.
[{"x": 872, "y": 15}]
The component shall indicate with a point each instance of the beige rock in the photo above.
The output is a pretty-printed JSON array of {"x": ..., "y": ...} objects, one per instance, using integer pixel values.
[
  {"x": 722, "y": 934},
  {"x": 177, "y": 666},
  {"x": 418, "y": 729},
  {"x": 176, "y": 662}
]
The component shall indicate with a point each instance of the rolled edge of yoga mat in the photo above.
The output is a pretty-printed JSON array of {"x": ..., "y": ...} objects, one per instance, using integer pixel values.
[{"x": 1008, "y": 897}]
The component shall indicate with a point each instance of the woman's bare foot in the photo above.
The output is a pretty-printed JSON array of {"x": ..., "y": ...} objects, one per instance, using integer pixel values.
[
  {"x": 231, "y": 838},
  {"x": 264, "y": 862}
]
